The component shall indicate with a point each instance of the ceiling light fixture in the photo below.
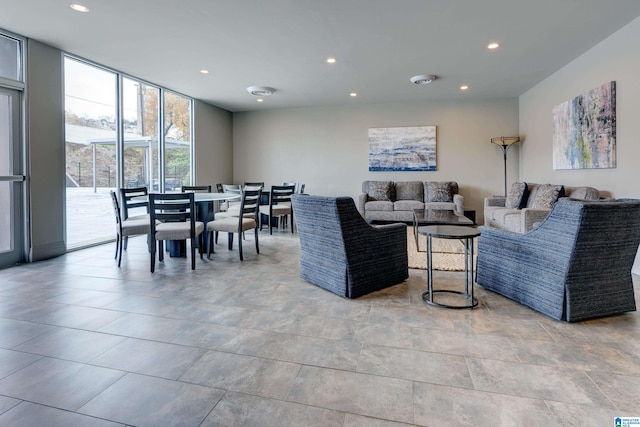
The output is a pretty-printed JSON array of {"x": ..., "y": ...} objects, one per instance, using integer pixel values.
[
  {"x": 260, "y": 100},
  {"x": 493, "y": 45},
  {"x": 331, "y": 60},
  {"x": 203, "y": 71},
  {"x": 423, "y": 79},
  {"x": 353, "y": 94},
  {"x": 464, "y": 87},
  {"x": 79, "y": 8},
  {"x": 260, "y": 90}
]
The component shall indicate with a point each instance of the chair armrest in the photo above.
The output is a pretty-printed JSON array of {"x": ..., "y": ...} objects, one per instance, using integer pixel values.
[
  {"x": 376, "y": 242},
  {"x": 390, "y": 229},
  {"x": 362, "y": 199},
  {"x": 378, "y": 237},
  {"x": 495, "y": 201},
  {"x": 458, "y": 200},
  {"x": 529, "y": 216}
]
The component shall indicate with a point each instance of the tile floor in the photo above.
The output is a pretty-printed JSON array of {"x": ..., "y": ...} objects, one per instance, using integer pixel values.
[{"x": 249, "y": 344}]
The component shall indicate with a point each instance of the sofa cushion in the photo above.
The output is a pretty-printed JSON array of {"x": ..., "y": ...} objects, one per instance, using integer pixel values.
[
  {"x": 584, "y": 193},
  {"x": 407, "y": 205},
  {"x": 380, "y": 190},
  {"x": 517, "y": 197},
  {"x": 379, "y": 206},
  {"x": 410, "y": 190},
  {"x": 546, "y": 195},
  {"x": 440, "y": 191}
]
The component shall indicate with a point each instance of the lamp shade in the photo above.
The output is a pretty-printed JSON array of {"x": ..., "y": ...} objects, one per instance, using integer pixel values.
[{"x": 505, "y": 140}]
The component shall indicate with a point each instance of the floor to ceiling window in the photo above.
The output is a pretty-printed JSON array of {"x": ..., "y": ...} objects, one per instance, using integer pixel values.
[
  {"x": 177, "y": 133},
  {"x": 113, "y": 140},
  {"x": 90, "y": 147},
  {"x": 141, "y": 137}
]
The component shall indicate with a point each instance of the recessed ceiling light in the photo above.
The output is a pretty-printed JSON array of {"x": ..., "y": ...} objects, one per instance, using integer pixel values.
[
  {"x": 331, "y": 60},
  {"x": 353, "y": 94},
  {"x": 203, "y": 71},
  {"x": 464, "y": 87},
  {"x": 79, "y": 8},
  {"x": 423, "y": 79},
  {"x": 260, "y": 90},
  {"x": 260, "y": 100},
  {"x": 493, "y": 45}
]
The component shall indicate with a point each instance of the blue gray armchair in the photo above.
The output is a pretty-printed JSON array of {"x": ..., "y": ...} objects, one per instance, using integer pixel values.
[
  {"x": 340, "y": 252},
  {"x": 575, "y": 265}
]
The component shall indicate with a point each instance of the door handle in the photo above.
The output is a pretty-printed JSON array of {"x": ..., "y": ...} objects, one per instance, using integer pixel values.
[{"x": 13, "y": 178}]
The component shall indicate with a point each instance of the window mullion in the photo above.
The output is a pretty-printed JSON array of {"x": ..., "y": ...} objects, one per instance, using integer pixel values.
[{"x": 161, "y": 142}]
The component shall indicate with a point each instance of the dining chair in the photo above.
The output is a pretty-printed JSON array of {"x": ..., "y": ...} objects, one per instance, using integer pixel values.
[
  {"x": 283, "y": 219},
  {"x": 219, "y": 188},
  {"x": 279, "y": 204},
  {"x": 127, "y": 194},
  {"x": 131, "y": 209},
  {"x": 204, "y": 211},
  {"x": 196, "y": 188},
  {"x": 173, "y": 217},
  {"x": 233, "y": 208},
  {"x": 232, "y": 189},
  {"x": 292, "y": 183},
  {"x": 246, "y": 219},
  {"x": 126, "y": 227}
]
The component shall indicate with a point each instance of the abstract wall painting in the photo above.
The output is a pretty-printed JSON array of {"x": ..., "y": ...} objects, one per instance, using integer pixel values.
[
  {"x": 584, "y": 130},
  {"x": 402, "y": 148}
]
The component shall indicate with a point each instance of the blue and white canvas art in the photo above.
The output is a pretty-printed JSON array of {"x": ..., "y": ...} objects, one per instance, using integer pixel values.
[{"x": 402, "y": 148}]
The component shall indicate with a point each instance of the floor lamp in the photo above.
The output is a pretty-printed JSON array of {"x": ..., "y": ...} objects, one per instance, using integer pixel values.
[{"x": 505, "y": 142}]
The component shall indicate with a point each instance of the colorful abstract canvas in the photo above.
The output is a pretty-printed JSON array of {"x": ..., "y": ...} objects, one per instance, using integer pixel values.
[
  {"x": 584, "y": 130},
  {"x": 402, "y": 148}
]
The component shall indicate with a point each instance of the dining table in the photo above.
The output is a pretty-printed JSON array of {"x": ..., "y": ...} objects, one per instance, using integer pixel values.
[{"x": 206, "y": 206}]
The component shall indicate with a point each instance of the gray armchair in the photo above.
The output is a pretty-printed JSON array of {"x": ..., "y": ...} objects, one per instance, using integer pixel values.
[
  {"x": 340, "y": 252},
  {"x": 574, "y": 266}
]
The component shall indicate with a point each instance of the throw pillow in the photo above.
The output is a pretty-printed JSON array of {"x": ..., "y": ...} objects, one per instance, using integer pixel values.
[
  {"x": 547, "y": 195},
  {"x": 517, "y": 197},
  {"x": 585, "y": 193},
  {"x": 439, "y": 191},
  {"x": 410, "y": 190},
  {"x": 380, "y": 191}
]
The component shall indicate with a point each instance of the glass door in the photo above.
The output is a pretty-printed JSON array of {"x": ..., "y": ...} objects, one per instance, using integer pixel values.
[{"x": 12, "y": 220}]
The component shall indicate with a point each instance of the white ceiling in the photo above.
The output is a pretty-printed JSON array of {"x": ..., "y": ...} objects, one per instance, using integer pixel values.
[{"x": 378, "y": 44}]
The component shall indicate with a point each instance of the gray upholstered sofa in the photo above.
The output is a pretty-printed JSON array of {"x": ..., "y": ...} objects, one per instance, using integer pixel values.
[
  {"x": 575, "y": 265},
  {"x": 395, "y": 201},
  {"x": 340, "y": 252},
  {"x": 528, "y": 204}
]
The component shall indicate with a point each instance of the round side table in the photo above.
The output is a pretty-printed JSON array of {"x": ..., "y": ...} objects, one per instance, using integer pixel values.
[{"x": 466, "y": 235}]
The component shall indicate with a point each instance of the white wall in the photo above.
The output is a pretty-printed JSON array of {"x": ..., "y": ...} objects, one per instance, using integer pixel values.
[
  {"x": 214, "y": 144},
  {"x": 616, "y": 58},
  {"x": 327, "y": 148},
  {"x": 45, "y": 141}
]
